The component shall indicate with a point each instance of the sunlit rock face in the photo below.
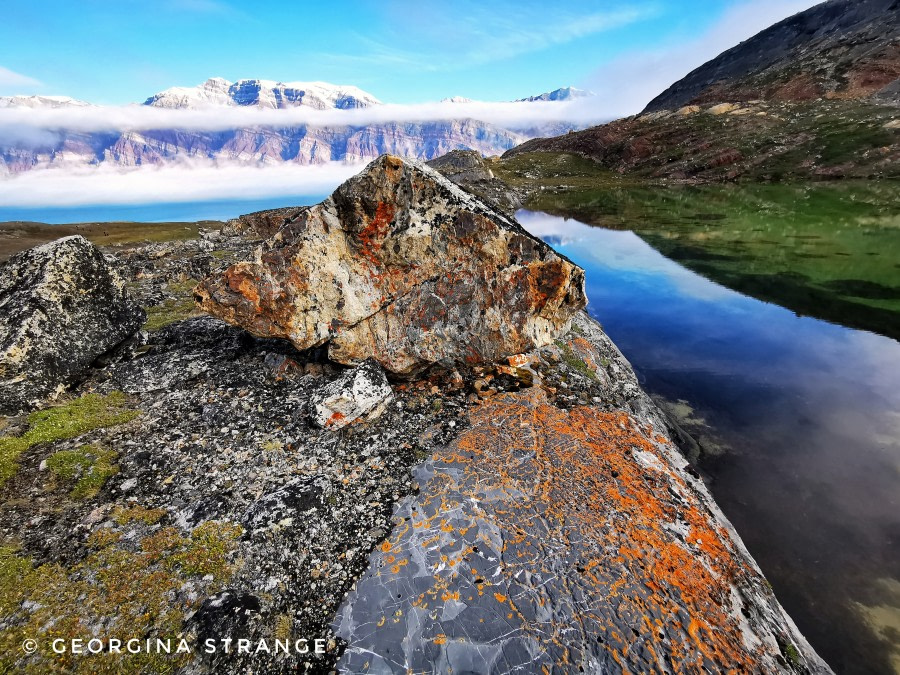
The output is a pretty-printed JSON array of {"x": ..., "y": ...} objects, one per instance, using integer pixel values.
[
  {"x": 401, "y": 265},
  {"x": 61, "y": 306}
]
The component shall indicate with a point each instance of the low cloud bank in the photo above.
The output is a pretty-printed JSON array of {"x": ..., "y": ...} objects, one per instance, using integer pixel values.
[
  {"x": 168, "y": 183},
  {"x": 24, "y": 123}
]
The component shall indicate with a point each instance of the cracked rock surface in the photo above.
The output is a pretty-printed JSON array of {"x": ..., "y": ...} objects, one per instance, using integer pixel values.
[{"x": 403, "y": 266}]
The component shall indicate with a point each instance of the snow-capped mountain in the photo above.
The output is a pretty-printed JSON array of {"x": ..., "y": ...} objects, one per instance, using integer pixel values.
[
  {"x": 217, "y": 91},
  {"x": 273, "y": 143},
  {"x": 41, "y": 102},
  {"x": 561, "y": 94}
]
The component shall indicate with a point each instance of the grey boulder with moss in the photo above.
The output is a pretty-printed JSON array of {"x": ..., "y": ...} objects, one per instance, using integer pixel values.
[{"x": 61, "y": 306}]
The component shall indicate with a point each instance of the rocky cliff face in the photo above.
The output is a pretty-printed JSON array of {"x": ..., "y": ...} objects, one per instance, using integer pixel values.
[
  {"x": 846, "y": 49},
  {"x": 301, "y": 143},
  {"x": 403, "y": 266}
]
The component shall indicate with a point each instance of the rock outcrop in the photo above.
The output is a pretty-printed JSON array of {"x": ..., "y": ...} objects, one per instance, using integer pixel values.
[
  {"x": 553, "y": 514},
  {"x": 401, "y": 265},
  {"x": 61, "y": 306},
  {"x": 360, "y": 393},
  {"x": 471, "y": 171},
  {"x": 573, "y": 539}
]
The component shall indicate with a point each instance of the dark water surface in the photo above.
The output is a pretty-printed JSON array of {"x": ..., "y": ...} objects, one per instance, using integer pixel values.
[{"x": 799, "y": 420}]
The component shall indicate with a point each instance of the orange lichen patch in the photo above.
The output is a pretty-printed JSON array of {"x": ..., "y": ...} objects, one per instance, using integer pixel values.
[
  {"x": 440, "y": 639},
  {"x": 336, "y": 417},
  {"x": 371, "y": 237},
  {"x": 607, "y": 509}
]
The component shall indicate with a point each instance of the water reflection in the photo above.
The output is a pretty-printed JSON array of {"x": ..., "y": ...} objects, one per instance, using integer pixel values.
[{"x": 810, "y": 412}]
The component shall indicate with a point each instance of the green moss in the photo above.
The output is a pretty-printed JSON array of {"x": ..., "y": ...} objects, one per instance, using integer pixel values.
[
  {"x": 130, "y": 593},
  {"x": 571, "y": 359},
  {"x": 283, "y": 627},
  {"x": 72, "y": 419},
  {"x": 182, "y": 306},
  {"x": 208, "y": 549},
  {"x": 138, "y": 514},
  {"x": 89, "y": 466},
  {"x": 272, "y": 445},
  {"x": 792, "y": 655}
]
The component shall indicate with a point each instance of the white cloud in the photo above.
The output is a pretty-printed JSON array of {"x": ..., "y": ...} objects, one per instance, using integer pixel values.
[
  {"x": 13, "y": 81},
  {"x": 184, "y": 182},
  {"x": 633, "y": 80},
  {"x": 19, "y": 124}
]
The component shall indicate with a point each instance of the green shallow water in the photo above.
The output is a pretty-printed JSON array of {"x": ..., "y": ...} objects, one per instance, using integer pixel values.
[{"x": 826, "y": 250}]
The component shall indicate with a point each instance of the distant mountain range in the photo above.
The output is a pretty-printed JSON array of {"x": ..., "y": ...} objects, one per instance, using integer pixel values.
[
  {"x": 264, "y": 94},
  {"x": 290, "y": 142}
]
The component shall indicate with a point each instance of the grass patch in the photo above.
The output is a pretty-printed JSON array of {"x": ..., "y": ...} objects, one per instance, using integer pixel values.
[
  {"x": 137, "y": 593},
  {"x": 89, "y": 467},
  {"x": 72, "y": 419},
  {"x": 181, "y": 307},
  {"x": 18, "y": 235}
]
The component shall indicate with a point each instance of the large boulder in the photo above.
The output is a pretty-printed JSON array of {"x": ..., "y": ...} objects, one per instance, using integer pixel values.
[
  {"x": 61, "y": 306},
  {"x": 401, "y": 265}
]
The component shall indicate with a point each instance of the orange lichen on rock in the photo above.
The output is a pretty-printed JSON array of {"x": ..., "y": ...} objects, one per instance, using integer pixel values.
[
  {"x": 574, "y": 532},
  {"x": 403, "y": 266}
]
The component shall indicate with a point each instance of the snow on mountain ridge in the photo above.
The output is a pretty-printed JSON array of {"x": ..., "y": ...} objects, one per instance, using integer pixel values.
[
  {"x": 36, "y": 101},
  {"x": 217, "y": 91},
  {"x": 561, "y": 94}
]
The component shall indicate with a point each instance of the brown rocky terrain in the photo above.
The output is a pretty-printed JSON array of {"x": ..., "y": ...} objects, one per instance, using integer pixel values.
[
  {"x": 756, "y": 141},
  {"x": 840, "y": 49},
  {"x": 812, "y": 97}
]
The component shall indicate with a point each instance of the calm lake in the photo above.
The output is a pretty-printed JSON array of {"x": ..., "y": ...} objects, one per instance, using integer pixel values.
[{"x": 711, "y": 293}]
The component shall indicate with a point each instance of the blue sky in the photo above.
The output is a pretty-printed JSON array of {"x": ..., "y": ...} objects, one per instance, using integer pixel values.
[{"x": 403, "y": 51}]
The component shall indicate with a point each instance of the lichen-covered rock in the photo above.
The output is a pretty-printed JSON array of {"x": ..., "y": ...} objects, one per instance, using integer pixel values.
[
  {"x": 360, "y": 393},
  {"x": 550, "y": 538},
  {"x": 401, "y": 265},
  {"x": 61, "y": 306}
]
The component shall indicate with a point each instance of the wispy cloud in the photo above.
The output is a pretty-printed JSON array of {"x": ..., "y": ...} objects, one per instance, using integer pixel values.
[
  {"x": 466, "y": 34},
  {"x": 11, "y": 80},
  {"x": 19, "y": 127},
  {"x": 183, "y": 182},
  {"x": 633, "y": 80}
]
